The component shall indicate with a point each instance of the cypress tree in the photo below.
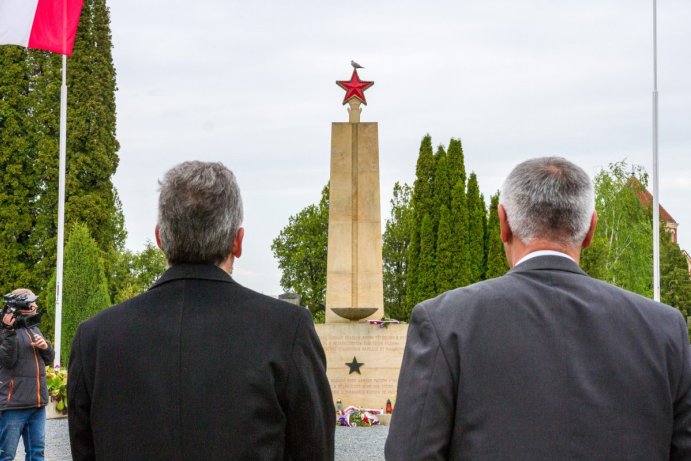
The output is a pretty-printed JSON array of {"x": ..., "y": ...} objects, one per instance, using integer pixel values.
[
  {"x": 459, "y": 227},
  {"x": 17, "y": 175},
  {"x": 85, "y": 288},
  {"x": 456, "y": 162},
  {"x": 412, "y": 262},
  {"x": 422, "y": 202},
  {"x": 427, "y": 262},
  {"x": 45, "y": 97},
  {"x": 92, "y": 145},
  {"x": 444, "y": 256},
  {"x": 476, "y": 232},
  {"x": 442, "y": 184},
  {"x": 496, "y": 258}
]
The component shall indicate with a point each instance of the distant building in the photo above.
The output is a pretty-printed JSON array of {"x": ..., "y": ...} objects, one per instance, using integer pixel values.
[{"x": 646, "y": 199}]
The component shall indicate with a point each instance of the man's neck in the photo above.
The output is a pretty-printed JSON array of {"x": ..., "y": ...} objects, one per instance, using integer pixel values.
[{"x": 518, "y": 249}]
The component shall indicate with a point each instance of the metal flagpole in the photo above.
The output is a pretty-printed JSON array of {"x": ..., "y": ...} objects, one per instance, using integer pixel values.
[
  {"x": 656, "y": 204},
  {"x": 61, "y": 190},
  {"x": 61, "y": 210}
]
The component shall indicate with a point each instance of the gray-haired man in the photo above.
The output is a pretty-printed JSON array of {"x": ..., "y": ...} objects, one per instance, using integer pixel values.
[
  {"x": 545, "y": 362},
  {"x": 199, "y": 367}
]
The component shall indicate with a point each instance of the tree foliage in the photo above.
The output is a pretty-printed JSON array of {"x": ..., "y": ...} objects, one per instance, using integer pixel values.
[
  {"x": 476, "y": 230},
  {"x": 621, "y": 251},
  {"x": 395, "y": 243},
  {"x": 134, "y": 273},
  {"x": 84, "y": 288},
  {"x": 497, "y": 264},
  {"x": 29, "y": 136},
  {"x": 301, "y": 252}
]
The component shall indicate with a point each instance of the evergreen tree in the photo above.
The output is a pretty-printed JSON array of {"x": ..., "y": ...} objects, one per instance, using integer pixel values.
[
  {"x": 412, "y": 294},
  {"x": 460, "y": 245},
  {"x": 17, "y": 175},
  {"x": 91, "y": 146},
  {"x": 85, "y": 288},
  {"x": 442, "y": 185},
  {"x": 476, "y": 230},
  {"x": 45, "y": 120},
  {"x": 422, "y": 202},
  {"x": 445, "y": 258},
  {"x": 456, "y": 163},
  {"x": 423, "y": 188},
  {"x": 496, "y": 258},
  {"x": 301, "y": 251},
  {"x": 427, "y": 262},
  {"x": 395, "y": 243}
]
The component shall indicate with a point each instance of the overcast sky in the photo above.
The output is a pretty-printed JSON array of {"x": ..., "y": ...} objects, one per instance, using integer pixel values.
[{"x": 252, "y": 84}]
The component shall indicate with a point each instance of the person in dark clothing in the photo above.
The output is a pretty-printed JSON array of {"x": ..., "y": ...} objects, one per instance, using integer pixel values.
[
  {"x": 24, "y": 353},
  {"x": 199, "y": 367}
]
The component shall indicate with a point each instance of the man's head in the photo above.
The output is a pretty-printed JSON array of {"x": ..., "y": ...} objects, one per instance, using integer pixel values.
[
  {"x": 28, "y": 295},
  {"x": 551, "y": 200},
  {"x": 199, "y": 214}
]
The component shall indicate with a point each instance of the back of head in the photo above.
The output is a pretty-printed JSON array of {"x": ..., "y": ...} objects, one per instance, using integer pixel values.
[
  {"x": 549, "y": 198},
  {"x": 199, "y": 213}
]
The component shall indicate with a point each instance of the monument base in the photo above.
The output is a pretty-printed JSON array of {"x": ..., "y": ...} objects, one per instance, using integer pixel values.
[{"x": 363, "y": 361}]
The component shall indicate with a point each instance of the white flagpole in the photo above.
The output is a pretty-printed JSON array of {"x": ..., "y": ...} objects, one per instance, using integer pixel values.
[
  {"x": 656, "y": 204},
  {"x": 61, "y": 210}
]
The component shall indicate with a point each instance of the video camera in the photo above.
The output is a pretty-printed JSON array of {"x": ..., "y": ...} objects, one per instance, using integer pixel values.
[{"x": 14, "y": 304}]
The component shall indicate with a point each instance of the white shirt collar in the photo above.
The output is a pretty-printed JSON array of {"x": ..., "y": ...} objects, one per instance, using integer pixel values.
[{"x": 537, "y": 253}]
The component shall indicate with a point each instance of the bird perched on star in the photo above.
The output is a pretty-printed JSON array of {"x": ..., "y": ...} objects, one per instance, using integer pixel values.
[{"x": 355, "y": 88}]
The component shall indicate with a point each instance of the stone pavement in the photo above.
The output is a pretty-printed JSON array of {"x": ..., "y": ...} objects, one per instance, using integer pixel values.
[{"x": 352, "y": 443}]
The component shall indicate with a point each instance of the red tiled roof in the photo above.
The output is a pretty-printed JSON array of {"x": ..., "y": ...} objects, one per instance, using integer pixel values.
[{"x": 646, "y": 199}]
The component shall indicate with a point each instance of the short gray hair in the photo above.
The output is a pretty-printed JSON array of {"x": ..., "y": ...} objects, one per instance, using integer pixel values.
[
  {"x": 549, "y": 198},
  {"x": 199, "y": 213}
]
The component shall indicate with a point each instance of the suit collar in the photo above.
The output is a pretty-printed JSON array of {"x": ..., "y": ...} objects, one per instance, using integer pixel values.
[
  {"x": 549, "y": 263},
  {"x": 193, "y": 271}
]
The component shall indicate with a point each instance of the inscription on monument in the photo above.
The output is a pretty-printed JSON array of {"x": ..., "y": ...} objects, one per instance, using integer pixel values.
[
  {"x": 363, "y": 343},
  {"x": 364, "y": 386}
]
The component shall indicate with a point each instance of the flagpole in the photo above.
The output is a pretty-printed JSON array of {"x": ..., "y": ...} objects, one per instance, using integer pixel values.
[
  {"x": 656, "y": 204},
  {"x": 61, "y": 210}
]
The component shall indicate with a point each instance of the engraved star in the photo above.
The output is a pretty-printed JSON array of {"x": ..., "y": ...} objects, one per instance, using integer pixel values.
[
  {"x": 354, "y": 366},
  {"x": 355, "y": 88}
]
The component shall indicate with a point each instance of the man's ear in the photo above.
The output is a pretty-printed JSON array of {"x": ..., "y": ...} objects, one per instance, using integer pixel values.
[
  {"x": 237, "y": 243},
  {"x": 158, "y": 237},
  {"x": 506, "y": 232},
  {"x": 591, "y": 231}
]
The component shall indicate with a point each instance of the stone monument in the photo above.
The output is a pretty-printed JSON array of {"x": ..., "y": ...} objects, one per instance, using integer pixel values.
[{"x": 363, "y": 353}]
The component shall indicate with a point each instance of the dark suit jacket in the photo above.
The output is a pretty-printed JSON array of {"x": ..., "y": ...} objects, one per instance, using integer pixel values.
[
  {"x": 544, "y": 363},
  {"x": 199, "y": 368}
]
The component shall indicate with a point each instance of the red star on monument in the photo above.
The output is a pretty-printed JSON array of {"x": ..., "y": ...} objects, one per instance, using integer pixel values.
[{"x": 355, "y": 88}]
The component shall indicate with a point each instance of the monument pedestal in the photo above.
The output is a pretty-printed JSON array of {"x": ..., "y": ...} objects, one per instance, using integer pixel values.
[{"x": 378, "y": 350}]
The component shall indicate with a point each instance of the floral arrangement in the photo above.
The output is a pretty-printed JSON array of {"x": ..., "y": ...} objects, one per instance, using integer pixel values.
[
  {"x": 354, "y": 416},
  {"x": 56, "y": 380}
]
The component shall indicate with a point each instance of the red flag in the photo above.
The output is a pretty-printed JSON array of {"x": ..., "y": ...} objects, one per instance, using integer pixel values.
[{"x": 44, "y": 24}]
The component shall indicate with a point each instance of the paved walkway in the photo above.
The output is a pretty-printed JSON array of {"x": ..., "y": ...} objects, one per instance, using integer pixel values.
[{"x": 352, "y": 443}]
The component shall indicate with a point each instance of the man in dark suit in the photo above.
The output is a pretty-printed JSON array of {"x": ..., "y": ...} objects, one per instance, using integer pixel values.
[
  {"x": 199, "y": 367},
  {"x": 544, "y": 363}
]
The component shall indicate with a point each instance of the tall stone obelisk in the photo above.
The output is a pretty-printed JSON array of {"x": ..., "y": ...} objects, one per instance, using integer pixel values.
[
  {"x": 363, "y": 357},
  {"x": 354, "y": 283}
]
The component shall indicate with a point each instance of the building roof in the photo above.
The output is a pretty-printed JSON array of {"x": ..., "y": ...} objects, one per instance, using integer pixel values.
[{"x": 646, "y": 198}]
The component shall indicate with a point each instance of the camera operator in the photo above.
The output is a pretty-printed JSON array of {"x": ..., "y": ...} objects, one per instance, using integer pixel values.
[{"x": 24, "y": 353}]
